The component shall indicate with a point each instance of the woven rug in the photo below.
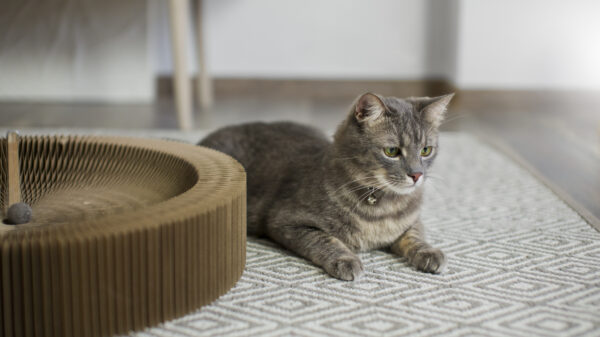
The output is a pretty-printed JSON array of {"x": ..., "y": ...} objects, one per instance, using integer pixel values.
[{"x": 520, "y": 263}]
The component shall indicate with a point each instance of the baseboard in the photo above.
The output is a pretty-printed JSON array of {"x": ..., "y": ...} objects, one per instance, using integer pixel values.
[{"x": 325, "y": 88}]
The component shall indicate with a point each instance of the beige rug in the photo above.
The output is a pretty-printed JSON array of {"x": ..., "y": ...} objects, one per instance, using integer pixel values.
[{"x": 520, "y": 263}]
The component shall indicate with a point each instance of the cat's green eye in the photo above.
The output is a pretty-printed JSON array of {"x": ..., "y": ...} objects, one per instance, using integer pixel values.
[
  {"x": 391, "y": 151},
  {"x": 426, "y": 151}
]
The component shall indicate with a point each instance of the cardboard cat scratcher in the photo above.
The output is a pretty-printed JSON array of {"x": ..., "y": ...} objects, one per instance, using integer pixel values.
[{"x": 125, "y": 234}]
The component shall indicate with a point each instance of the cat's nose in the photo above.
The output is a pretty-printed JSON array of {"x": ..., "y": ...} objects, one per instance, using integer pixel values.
[{"x": 415, "y": 176}]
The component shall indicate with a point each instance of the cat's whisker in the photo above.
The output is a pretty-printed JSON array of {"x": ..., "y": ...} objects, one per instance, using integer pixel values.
[
  {"x": 453, "y": 118},
  {"x": 365, "y": 195},
  {"x": 395, "y": 182},
  {"x": 436, "y": 187},
  {"x": 358, "y": 188},
  {"x": 376, "y": 182},
  {"x": 355, "y": 181},
  {"x": 435, "y": 176},
  {"x": 436, "y": 180},
  {"x": 350, "y": 190},
  {"x": 346, "y": 158}
]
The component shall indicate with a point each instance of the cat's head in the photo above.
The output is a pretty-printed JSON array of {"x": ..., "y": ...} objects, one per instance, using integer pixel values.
[{"x": 391, "y": 142}]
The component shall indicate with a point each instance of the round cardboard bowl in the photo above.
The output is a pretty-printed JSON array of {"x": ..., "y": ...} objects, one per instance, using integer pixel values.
[{"x": 126, "y": 233}]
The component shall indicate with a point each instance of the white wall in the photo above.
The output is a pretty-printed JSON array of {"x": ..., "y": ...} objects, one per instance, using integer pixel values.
[
  {"x": 99, "y": 50},
  {"x": 72, "y": 50},
  {"x": 509, "y": 44},
  {"x": 519, "y": 44},
  {"x": 312, "y": 38}
]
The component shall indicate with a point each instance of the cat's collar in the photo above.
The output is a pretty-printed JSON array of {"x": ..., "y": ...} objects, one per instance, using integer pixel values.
[{"x": 373, "y": 196}]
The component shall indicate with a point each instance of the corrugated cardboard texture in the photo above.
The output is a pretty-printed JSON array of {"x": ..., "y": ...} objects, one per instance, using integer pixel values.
[{"x": 126, "y": 233}]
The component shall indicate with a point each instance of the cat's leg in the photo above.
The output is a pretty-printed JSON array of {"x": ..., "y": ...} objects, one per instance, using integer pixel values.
[
  {"x": 419, "y": 253},
  {"x": 321, "y": 248}
]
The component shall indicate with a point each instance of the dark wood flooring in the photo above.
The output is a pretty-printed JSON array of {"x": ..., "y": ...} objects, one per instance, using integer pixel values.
[{"x": 555, "y": 132}]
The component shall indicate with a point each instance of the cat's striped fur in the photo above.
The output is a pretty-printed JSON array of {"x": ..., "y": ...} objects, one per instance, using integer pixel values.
[{"x": 315, "y": 197}]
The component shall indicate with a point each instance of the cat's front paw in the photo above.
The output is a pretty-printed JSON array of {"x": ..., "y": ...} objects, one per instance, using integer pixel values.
[
  {"x": 347, "y": 268},
  {"x": 429, "y": 260}
]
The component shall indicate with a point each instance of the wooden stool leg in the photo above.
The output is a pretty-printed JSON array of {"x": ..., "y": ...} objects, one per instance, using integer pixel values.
[
  {"x": 179, "y": 12},
  {"x": 205, "y": 90}
]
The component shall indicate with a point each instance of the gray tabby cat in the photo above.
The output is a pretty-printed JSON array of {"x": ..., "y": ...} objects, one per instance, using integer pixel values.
[{"x": 326, "y": 200}]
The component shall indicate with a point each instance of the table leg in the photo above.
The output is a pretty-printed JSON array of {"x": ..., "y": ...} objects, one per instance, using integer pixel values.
[
  {"x": 205, "y": 90},
  {"x": 179, "y": 12}
]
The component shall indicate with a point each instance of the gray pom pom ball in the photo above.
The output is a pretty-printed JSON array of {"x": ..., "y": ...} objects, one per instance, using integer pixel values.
[{"x": 18, "y": 213}]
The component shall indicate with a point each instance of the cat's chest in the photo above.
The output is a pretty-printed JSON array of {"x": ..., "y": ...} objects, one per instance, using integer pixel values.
[{"x": 377, "y": 232}]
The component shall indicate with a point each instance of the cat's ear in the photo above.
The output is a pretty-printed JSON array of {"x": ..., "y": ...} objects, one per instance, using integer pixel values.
[
  {"x": 433, "y": 109},
  {"x": 368, "y": 108}
]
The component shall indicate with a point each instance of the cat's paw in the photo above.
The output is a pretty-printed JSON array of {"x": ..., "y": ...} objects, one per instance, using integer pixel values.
[
  {"x": 429, "y": 260},
  {"x": 347, "y": 268}
]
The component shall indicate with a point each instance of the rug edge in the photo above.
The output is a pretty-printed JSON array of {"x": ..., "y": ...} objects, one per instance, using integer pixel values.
[{"x": 503, "y": 148}]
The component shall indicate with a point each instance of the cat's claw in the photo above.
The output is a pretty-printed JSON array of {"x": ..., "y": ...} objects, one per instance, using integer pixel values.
[
  {"x": 430, "y": 260},
  {"x": 347, "y": 268}
]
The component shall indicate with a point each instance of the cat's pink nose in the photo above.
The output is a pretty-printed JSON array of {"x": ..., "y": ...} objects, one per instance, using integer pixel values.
[{"x": 415, "y": 176}]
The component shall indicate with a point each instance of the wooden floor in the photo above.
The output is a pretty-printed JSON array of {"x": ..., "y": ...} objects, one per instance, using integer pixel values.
[{"x": 557, "y": 133}]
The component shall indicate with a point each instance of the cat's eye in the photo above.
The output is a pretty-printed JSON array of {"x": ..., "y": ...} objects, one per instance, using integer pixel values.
[
  {"x": 426, "y": 151},
  {"x": 391, "y": 151}
]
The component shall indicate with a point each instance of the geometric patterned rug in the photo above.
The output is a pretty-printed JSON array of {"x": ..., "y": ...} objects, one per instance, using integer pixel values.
[{"x": 520, "y": 263}]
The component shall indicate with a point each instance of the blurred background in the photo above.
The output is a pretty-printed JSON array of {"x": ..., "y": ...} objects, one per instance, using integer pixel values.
[{"x": 526, "y": 72}]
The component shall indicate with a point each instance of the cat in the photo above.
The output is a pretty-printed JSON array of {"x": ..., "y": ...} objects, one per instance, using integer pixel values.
[{"x": 327, "y": 200}]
